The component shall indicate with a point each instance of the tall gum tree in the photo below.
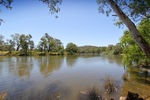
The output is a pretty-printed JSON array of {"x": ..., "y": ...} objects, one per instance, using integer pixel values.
[{"x": 132, "y": 5}]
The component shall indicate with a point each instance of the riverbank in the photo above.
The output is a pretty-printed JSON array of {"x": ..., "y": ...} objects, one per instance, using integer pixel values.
[
  {"x": 31, "y": 53},
  {"x": 92, "y": 94}
]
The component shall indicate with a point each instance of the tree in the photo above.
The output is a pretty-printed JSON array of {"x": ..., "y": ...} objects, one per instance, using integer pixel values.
[
  {"x": 134, "y": 8},
  {"x": 132, "y": 53},
  {"x": 42, "y": 44},
  {"x": 53, "y": 5},
  {"x": 88, "y": 49},
  {"x": 56, "y": 46},
  {"x": 45, "y": 43},
  {"x": 71, "y": 48},
  {"x": 110, "y": 47},
  {"x": 50, "y": 44},
  {"x": 1, "y": 42},
  {"x": 31, "y": 45},
  {"x": 7, "y": 4},
  {"x": 10, "y": 45},
  {"x": 25, "y": 42},
  {"x": 117, "y": 49},
  {"x": 16, "y": 40},
  {"x": 1, "y": 39}
]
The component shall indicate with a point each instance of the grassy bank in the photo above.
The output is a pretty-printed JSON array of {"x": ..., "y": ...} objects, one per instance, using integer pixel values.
[{"x": 31, "y": 53}]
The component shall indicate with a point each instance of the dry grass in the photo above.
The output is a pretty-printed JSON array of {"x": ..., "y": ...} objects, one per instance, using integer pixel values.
[
  {"x": 3, "y": 95},
  {"x": 110, "y": 85},
  {"x": 90, "y": 94},
  {"x": 93, "y": 94}
]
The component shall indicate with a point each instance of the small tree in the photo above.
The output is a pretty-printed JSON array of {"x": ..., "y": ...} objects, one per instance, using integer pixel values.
[
  {"x": 25, "y": 43},
  {"x": 10, "y": 45},
  {"x": 71, "y": 48}
]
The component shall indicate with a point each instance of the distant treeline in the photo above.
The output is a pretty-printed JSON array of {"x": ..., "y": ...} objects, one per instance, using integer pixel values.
[{"x": 21, "y": 44}]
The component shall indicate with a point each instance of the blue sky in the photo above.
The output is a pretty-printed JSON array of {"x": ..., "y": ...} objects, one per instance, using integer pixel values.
[{"x": 79, "y": 22}]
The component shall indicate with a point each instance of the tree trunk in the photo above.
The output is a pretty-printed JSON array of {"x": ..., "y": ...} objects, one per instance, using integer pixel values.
[
  {"x": 131, "y": 26},
  {"x": 18, "y": 48}
]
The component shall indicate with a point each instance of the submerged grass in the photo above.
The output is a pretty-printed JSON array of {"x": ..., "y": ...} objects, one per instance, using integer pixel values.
[
  {"x": 110, "y": 85},
  {"x": 90, "y": 94},
  {"x": 93, "y": 94}
]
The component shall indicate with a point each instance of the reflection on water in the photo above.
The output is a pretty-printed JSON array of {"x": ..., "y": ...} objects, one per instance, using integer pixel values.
[
  {"x": 49, "y": 64},
  {"x": 137, "y": 81},
  {"x": 56, "y": 77},
  {"x": 71, "y": 60}
]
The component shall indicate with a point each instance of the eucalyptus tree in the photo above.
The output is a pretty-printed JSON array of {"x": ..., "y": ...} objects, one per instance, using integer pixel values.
[
  {"x": 45, "y": 42},
  {"x": 132, "y": 53},
  {"x": 26, "y": 42},
  {"x": 31, "y": 45},
  {"x": 10, "y": 45},
  {"x": 16, "y": 39},
  {"x": 42, "y": 44},
  {"x": 50, "y": 44},
  {"x": 57, "y": 45},
  {"x": 126, "y": 9},
  {"x": 53, "y": 5},
  {"x": 1, "y": 39},
  {"x": 7, "y": 4},
  {"x": 1, "y": 42},
  {"x": 117, "y": 49},
  {"x": 71, "y": 48}
]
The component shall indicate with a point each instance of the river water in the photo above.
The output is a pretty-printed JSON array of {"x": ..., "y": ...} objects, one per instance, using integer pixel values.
[{"x": 66, "y": 77}]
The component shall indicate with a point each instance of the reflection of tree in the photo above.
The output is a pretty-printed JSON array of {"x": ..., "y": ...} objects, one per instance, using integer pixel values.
[
  {"x": 114, "y": 59},
  {"x": 22, "y": 66},
  {"x": 1, "y": 64},
  {"x": 24, "y": 69},
  {"x": 49, "y": 64},
  {"x": 49, "y": 91},
  {"x": 71, "y": 60},
  {"x": 137, "y": 81},
  {"x": 25, "y": 66}
]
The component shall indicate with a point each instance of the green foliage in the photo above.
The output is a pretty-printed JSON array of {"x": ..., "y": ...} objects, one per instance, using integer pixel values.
[
  {"x": 136, "y": 9},
  {"x": 6, "y": 3},
  {"x": 103, "y": 50},
  {"x": 133, "y": 55},
  {"x": 89, "y": 50},
  {"x": 10, "y": 45},
  {"x": 117, "y": 49},
  {"x": 53, "y": 5},
  {"x": 21, "y": 44},
  {"x": 15, "y": 37},
  {"x": 1, "y": 42},
  {"x": 50, "y": 44},
  {"x": 26, "y": 43},
  {"x": 71, "y": 48}
]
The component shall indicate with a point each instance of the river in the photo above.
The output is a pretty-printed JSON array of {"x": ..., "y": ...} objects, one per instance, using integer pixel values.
[{"x": 65, "y": 77}]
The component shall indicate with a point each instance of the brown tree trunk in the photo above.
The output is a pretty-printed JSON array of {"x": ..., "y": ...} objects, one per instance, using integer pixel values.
[
  {"x": 131, "y": 26},
  {"x": 18, "y": 48}
]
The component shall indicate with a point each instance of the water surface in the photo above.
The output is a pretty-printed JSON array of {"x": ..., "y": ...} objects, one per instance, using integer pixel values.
[{"x": 32, "y": 78}]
